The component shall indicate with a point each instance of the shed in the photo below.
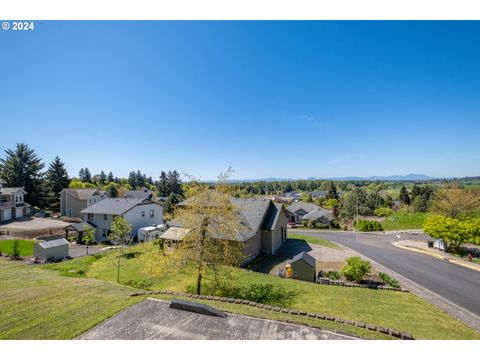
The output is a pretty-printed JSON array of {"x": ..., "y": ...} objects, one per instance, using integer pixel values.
[
  {"x": 304, "y": 267},
  {"x": 52, "y": 249},
  {"x": 173, "y": 236}
]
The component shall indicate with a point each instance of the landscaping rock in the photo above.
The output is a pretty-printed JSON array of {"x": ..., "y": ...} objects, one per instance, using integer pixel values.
[
  {"x": 320, "y": 316},
  {"x": 231, "y": 300},
  {"x": 371, "y": 327},
  {"x": 339, "y": 320},
  {"x": 267, "y": 307},
  {"x": 245, "y": 302},
  {"x": 360, "y": 324},
  {"x": 294, "y": 312},
  {"x": 349, "y": 322},
  {"x": 330, "y": 318},
  {"x": 311, "y": 315},
  {"x": 237, "y": 301},
  {"x": 284, "y": 310},
  {"x": 394, "y": 333},
  {"x": 302, "y": 312},
  {"x": 382, "y": 330},
  {"x": 406, "y": 336}
]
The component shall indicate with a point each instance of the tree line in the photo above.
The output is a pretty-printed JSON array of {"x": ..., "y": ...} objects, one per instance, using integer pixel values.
[{"x": 22, "y": 167}]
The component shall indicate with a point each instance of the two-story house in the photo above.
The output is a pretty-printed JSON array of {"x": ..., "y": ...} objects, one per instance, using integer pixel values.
[
  {"x": 138, "y": 213},
  {"x": 12, "y": 204},
  {"x": 72, "y": 201}
]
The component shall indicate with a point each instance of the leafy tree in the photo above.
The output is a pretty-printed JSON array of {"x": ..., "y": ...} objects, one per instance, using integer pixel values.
[
  {"x": 211, "y": 219},
  {"x": 331, "y": 191},
  {"x": 112, "y": 190},
  {"x": 120, "y": 237},
  {"x": 453, "y": 231},
  {"x": 455, "y": 202},
  {"x": 306, "y": 197},
  {"x": 88, "y": 236},
  {"x": 23, "y": 168},
  {"x": 78, "y": 184},
  {"x": 15, "y": 254},
  {"x": 334, "y": 205},
  {"x": 404, "y": 197},
  {"x": 355, "y": 202},
  {"x": 356, "y": 269},
  {"x": 56, "y": 180}
]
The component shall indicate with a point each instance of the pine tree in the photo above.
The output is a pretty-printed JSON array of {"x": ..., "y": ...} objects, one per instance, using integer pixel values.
[
  {"x": 56, "y": 180},
  {"x": 404, "y": 197},
  {"x": 88, "y": 176},
  {"x": 112, "y": 190},
  {"x": 110, "y": 177},
  {"x": 81, "y": 174},
  {"x": 23, "y": 168},
  {"x": 162, "y": 185},
  {"x": 331, "y": 191},
  {"x": 175, "y": 183},
  {"x": 102, "y": 178}
]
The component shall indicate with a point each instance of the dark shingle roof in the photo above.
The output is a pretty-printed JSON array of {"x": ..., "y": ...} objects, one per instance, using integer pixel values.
[
  {"x": 83, "y": 194},
  {"x": 113, "y": 206},
  {"x": 319, "y": 213},
  {"x": 309, "y": 259},
  {"x": 307, "y": 207},
  {"x": 138, "y": 194},
  {"x": 272, "y": 216}
]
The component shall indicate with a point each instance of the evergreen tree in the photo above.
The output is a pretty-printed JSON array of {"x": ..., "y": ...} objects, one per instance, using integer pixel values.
[
  {"x": 23, "y": 168},
  {"x": 331, "y": 191},
  {"x": 88, "y": 175},
  {"x": 112, "y": 190},
  {"x": 56, "y": 180},
  {"x": 162, "y": 185},
  {"x": 110, "y": 177},
  {"x": 81, "y": 174},
  {"x": 175, "y": 183},
  {"x": 102, "y": 178},
  {"x": 404, "y": 197}
]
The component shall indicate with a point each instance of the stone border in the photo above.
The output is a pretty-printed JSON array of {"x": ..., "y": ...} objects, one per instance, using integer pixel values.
[
  {"x": 380, "y": 329},
  {"x": 328, "y": 281}
]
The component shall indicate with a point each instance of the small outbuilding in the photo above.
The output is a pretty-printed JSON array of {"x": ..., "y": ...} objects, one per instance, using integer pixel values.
[
  {"x": 51, "y": 250},
  {"x": 303, "y": 267}
]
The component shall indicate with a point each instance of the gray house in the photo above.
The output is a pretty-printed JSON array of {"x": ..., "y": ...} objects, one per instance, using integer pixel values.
[
  {"x": 299, "y": 211},
  {"x": 73, "y": 201},
  {"x": 264, "y": 226},
  {"x": 138, "y": 213},
  {"x": 304, "y": 267},
  {"x": 12, "y": 204},
  {"x": 138, "y": 194}
]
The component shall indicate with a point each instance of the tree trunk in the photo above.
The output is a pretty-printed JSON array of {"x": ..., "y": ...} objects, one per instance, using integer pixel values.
[
  {"x": 118, "y": 273},
  {"x": 199, "y": 283}
]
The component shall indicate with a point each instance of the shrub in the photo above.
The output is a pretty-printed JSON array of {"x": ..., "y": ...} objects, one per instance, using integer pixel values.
[
  {"x": 389, "y": 280},
  {"x": 334, "y": 275},
  {"x": 368, "y": 225},
  {"x": 383, "y": 212},
  {"x": 15, "y": 254},
  {"x": 356, "y": 269}
]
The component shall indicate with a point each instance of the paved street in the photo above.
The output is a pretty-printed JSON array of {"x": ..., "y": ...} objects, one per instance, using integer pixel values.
[{"x": 459, "y": 285}]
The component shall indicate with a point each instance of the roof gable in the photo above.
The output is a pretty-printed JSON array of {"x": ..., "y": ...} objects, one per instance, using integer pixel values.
[
  {"x": 115, "y": 206},
  {"x": 12, "y": 191},
  {"x": 306, "y": 257}
]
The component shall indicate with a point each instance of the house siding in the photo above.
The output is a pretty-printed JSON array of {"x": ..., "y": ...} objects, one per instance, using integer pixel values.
[
  {"x": 303, "y": 271},
  {"x": 68, "y": 201}
]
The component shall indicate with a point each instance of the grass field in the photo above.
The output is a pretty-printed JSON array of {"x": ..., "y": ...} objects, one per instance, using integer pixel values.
[
  {"x": 404, "y": 221},
  {"x": 402, "y": 311},
  {"x": 314, "y": 240},
  {"x": 40, "y": 304},
  {"x": 25, "y": 247}
]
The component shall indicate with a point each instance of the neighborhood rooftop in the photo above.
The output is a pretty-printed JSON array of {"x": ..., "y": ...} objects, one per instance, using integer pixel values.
[
  {"x": 53, "y": 243},
  {"x": 112, "y": 206},
  {"x": 83, "y": 194},
  {"x": 310, "y": 260}
]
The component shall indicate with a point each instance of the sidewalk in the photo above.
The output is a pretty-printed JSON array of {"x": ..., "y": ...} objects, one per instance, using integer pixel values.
[{"x": 422, "y": 247}]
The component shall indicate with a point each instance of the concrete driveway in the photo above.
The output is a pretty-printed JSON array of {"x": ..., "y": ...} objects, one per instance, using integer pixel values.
[
  {"x": 33, "y": 223},
  {"x": 154, "y": 320}
]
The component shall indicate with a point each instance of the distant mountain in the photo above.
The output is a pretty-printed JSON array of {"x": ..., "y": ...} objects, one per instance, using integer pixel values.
[{"x": 409, "y": 177}]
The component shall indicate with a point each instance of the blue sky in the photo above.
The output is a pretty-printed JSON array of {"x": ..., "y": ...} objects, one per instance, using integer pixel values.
[{"x": 271, "y": 99}]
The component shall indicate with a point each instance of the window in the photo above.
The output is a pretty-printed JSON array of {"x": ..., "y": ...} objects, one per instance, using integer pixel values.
[
  {"x": 90, "y": 217},
  {"x": 104, "y": 233},
  {"x": 105, "y": 217},
  {"x": 152, "y": 213},
  {"x": 69, "y": 212},
  {"x": 143, "y": 213}
]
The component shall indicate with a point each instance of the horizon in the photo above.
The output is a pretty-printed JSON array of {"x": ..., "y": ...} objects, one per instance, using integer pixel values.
[{"x": 278, "y": 99}]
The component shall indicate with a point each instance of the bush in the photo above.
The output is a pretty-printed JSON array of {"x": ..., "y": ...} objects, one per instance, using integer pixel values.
[
  {"x": 334, "y": 275},
  {"x": 15, "y": 254},
  {"x": 368, "y": 225},
  {"x": 356, "y": 269},
  {"x": 389, "y": 280},
  {"x": 383, "y": 212}
]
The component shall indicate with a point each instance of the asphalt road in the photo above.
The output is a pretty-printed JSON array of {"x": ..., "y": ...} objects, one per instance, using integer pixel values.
[{"x": 457, "y": 284}]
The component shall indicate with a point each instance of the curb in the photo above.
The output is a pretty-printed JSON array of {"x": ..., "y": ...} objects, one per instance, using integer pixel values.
[
  {"x": 380, "y": 329},
  {"x": 421, "y": 251}
]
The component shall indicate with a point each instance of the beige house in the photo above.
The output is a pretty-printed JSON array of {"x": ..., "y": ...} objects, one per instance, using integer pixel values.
[
  {"x": 265, "y": 226},
  {"x": 73, "y": 201},
  {"x": 12, "y": 204}
]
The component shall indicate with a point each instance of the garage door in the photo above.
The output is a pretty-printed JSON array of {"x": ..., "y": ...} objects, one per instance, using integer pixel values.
[{"x": 7, "y": 214}]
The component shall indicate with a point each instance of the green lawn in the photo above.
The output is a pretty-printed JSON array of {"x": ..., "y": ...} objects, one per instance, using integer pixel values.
[
  {"x": 404, "y": 221},
  {"x": 40, "y": 304},
  {"x": 314, "y": 240},
  {"x": 25, "y": 247},
  {"x": 402, "y": 311}
]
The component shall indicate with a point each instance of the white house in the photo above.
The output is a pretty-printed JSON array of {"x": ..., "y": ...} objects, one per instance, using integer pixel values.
[
  {"x": 12, "y": 203},
  {"x": 138, "y": 213}
]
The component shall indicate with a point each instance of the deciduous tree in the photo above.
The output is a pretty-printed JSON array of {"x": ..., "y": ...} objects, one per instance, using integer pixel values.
[{"x": 119, "y": 237}]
